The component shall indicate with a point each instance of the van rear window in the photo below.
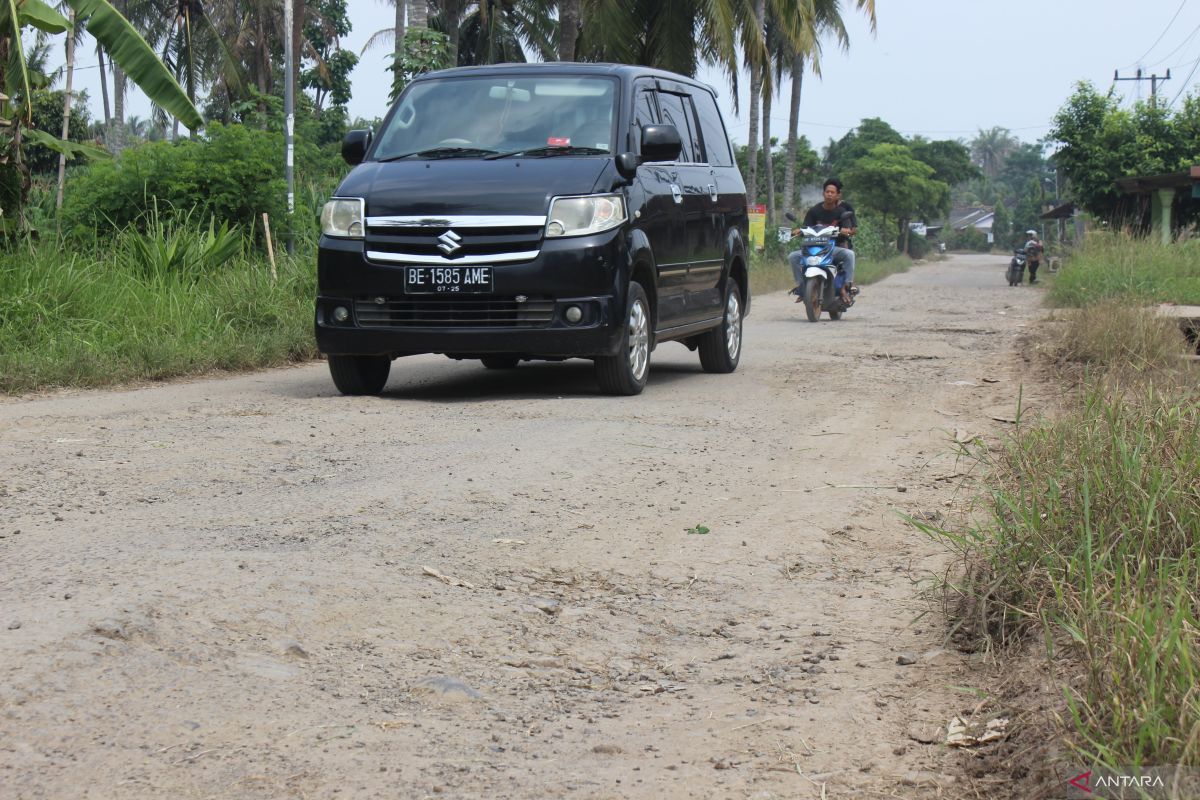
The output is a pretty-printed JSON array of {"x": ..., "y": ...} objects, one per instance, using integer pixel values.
[{"x": 474, "y": 117}]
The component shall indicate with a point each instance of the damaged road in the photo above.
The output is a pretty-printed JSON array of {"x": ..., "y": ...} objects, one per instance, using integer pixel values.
[{"x": 504, "y": 584}]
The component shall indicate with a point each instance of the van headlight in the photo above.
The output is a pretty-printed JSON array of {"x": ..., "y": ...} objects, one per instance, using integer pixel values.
[
  {"x": 577, "y": 216},
  {"x": 343, "y": 217}
]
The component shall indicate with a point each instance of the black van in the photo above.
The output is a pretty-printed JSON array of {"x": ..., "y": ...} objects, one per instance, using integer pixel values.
[{"x": 536, "y": 211}]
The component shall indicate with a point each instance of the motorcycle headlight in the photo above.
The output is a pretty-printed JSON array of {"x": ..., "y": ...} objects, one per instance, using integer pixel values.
[
  {"x": 815, "y": 261},
  {"x": 578, "y": 216},
  {"x": 343, "y": 217}
]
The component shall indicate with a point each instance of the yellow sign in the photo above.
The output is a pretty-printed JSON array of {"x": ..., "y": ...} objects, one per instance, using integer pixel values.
[{"x": 758, "y": 227}]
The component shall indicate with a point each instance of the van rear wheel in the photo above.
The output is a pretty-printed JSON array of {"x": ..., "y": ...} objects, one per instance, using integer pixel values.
[
  {"x": 625, "y": 373},
  {"x": 359, "y": 375}
]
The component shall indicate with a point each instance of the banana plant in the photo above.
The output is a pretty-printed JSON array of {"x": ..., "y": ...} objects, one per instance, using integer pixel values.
[{"x": 125, "y": 47}]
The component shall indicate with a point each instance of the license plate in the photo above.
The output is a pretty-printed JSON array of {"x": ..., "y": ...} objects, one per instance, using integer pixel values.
[{"x": 447, "y": 280}]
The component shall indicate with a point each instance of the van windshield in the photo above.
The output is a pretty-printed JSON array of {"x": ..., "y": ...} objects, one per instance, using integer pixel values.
[{"x": 476, "y": 117}]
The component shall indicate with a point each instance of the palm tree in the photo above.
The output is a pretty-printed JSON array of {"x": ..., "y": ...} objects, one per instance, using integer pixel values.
[
  {"x": 756, "y": 90},
  {"x": 678, "y": 36},
  {"x": 497, "y": 31},
  {"x": 827, "y": 17},
  {"x": 991, "y": 147},
  {"x": 72, "y": 35},
  {"x": 569, "y": 12},
  {"x": 418, "y": 14}
]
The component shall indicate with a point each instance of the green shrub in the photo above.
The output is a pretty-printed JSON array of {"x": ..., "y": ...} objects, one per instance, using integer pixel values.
[
  {"x": 968, "y": 238},
  {"x": 918, "y": 246},
  {"x": 233, "y": 176}
]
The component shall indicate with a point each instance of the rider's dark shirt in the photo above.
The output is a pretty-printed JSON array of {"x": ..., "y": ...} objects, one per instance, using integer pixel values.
[{"x": 819, "y": 216}]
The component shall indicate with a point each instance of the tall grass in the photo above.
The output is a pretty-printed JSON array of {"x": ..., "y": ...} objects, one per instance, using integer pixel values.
[
  {"x": 174, "y": 300},
  {"x": 1090, "y": 536},
  {"x": 1112, "y": 265}
]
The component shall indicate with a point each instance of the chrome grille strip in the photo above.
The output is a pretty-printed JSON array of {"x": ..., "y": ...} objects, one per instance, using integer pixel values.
[
  {"x": 463, "y": 221},
  {"x": 412, "y": 258}
]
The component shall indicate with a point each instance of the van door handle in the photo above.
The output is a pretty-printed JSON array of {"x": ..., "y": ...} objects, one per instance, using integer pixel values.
[
  {"x": 677, "y": 193},
  {"x": 712, "y": 192}
]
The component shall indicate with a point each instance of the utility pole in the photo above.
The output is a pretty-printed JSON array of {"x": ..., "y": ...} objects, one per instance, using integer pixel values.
[
  {"x": 289, "y": 113},
  {"x": 1154, "y": 81}
]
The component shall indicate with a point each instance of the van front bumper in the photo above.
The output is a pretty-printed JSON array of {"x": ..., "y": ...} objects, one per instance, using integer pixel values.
[{"x": 526, "y": 314}]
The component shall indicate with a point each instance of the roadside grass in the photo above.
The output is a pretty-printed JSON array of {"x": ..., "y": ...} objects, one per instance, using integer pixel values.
[
  {"x": 769, "y": 271},
  {"x": 173, "y": 301},
  {"x": 1089, "y": 537},
  {"x": 1115, "y": 265}
]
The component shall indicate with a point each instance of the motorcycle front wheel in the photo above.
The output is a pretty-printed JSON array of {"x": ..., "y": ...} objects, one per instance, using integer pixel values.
[{"x": 814, "y": 290}]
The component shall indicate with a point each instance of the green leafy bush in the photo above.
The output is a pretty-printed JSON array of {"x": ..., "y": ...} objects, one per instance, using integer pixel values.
[
  {"x": 232, "y": 177},
  {"x": 918, "y": 246},
  {"x": 968, "y": 238}
]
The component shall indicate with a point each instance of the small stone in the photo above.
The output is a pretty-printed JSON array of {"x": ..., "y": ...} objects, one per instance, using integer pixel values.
[
  {"x": 901, "y": 489},
  {"x": 548, "y": 607},
  {"x": 905, "y": 659},
  {"x": 290, "y": 647},
  {"x": 16, "y": 623}
]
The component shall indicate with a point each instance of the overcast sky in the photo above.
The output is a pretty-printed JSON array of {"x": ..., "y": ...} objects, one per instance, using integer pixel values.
[{"x": 940, "y": 68}]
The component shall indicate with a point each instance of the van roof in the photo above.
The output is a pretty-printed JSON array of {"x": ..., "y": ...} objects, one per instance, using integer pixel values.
[{"x": 627, "y": 72}]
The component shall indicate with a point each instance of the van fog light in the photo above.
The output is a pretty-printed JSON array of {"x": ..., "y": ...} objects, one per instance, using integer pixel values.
[
  {"x": 341, "y": 314},
  {"x": 573, "y": 314}
]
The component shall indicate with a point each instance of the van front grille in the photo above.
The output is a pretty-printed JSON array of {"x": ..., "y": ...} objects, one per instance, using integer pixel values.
[
  {"x": 476, "y": 240},
  {"x": 453, "y": 312}
]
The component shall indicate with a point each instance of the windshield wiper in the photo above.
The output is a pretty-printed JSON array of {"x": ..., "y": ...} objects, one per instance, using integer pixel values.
[
  {"x": 442, "y": 152},
  {"x": 553, "y": 150}
]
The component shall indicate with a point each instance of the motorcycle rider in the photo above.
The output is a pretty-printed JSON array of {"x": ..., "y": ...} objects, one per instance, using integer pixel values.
[
  {"x": 832, "y": 210},
  {"x": 1033, "y": 252}
]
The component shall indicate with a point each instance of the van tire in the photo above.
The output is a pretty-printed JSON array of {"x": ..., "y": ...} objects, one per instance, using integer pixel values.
[
  {"x": 359, "y": 375},
  {"x": 625, "y": 373},
  {"x": 721, "y": 347}
]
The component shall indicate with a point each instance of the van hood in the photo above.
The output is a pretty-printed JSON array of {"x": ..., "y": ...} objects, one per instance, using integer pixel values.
[{"x": 508, "y": 186}]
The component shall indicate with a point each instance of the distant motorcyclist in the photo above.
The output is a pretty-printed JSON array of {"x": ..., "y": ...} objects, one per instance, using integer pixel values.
[
  {"x": 1033, "y": 252},
  {"x": 831, "y": 211}
]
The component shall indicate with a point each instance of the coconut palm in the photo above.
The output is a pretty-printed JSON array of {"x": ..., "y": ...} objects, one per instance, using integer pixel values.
[
  {"x": 828, "y": 22},
  {"x": 990, "y": 148},
  {"x": 497, "y": 31}
]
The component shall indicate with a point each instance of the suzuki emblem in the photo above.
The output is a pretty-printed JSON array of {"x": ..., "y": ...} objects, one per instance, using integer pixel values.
[{"x": 449, "y": 242}]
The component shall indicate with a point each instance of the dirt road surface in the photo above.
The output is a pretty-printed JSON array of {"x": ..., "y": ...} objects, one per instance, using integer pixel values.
[{"x": 498, "y": 584}]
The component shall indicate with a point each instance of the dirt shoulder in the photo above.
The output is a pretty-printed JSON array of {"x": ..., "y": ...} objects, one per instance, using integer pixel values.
[{"x": 220, "y": 588}]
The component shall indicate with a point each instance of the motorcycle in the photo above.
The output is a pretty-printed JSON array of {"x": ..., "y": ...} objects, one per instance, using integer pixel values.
[
  {"x": 823, "y": 280},
  {"x": 1016, "y": 267}
]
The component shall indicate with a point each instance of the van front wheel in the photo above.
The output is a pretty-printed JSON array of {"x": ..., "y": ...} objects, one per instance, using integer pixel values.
[
  {"x": 625, "y": 373},
  {"x": 358, "y": 375}
]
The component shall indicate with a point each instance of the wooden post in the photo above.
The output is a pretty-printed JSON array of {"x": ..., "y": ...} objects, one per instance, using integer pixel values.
[{"x": 270, "y": 247}]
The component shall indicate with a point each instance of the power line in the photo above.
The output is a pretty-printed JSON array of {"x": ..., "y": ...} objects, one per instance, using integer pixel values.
[
  {"x": 1186, "y": 80},
  {"x": 1182, "y": 44},
  {"x": 1160, "y": 36}
]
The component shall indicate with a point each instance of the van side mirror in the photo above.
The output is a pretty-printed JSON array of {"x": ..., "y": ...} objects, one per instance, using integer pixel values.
[
  {"x": 354, "y": 146},
  {"x": 627, "y": 164},
  {"x": 661, "y": 143}
]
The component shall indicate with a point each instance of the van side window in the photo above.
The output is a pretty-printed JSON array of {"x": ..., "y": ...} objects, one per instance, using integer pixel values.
[
  {"x": 644, "y": 113},
  {"x": 716, "y": 143},
  {"x": 677, "y": 111}
]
